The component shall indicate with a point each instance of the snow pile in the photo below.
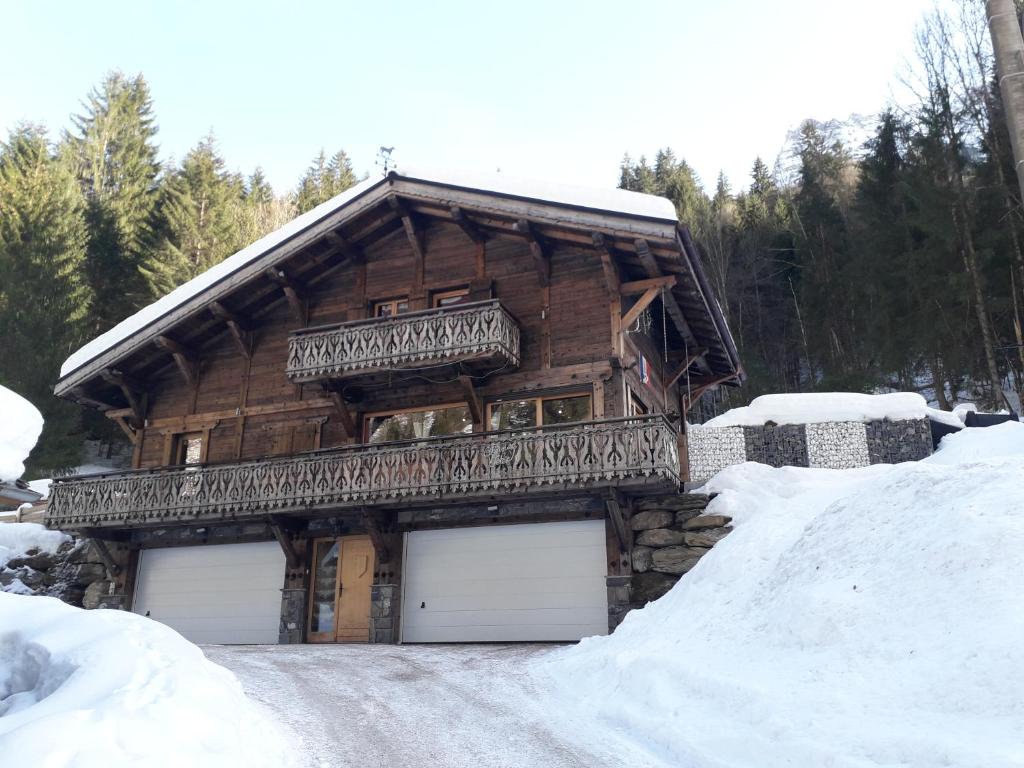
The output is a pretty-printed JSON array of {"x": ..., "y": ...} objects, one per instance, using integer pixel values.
[
  {"x": 18, "y": 539},
  {"x": 109, "y": 688},
  {"x": 815, "y": 407},
  {"x": 19, "y": 431},
  {"x": 860, "y": 617}
]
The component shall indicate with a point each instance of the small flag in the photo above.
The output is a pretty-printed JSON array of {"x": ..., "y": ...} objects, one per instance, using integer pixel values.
[{"x": 641, "y": 368}]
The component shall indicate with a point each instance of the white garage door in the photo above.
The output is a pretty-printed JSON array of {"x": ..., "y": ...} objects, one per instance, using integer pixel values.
[
  {"x": 222, "y": 593},
  {"x": 543, "y": 581}
]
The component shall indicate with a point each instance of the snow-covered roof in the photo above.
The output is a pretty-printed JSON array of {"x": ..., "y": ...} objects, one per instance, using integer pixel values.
[
  {"x": 19, "y": 431},
  {"x": 817, "y": 407},
  {"x": 616, "y": 201}
]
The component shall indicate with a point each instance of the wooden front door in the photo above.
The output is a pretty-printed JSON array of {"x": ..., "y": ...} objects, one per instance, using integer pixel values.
[{"x": 339, "y": 600}]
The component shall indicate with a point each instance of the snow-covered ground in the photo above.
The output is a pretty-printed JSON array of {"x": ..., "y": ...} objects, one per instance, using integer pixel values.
[
  {"x": 109, "y": 688},
  {"x": 854, "y": 618}
]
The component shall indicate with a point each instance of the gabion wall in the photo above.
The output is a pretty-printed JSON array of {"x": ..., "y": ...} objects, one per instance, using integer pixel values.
[{"x": 833, "y": 445}]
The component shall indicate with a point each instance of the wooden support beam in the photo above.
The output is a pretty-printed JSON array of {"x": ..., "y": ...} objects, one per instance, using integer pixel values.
[
  {"x": 683, "y": 367},
  {"x": 338, "y": 244},
  {"x": 611, "y": 271},
  {"x": 471, "y": 230},
  {"x": 476, "y": 408},
  {"x": 284, "y": 539},
  {"x": 373, "y": 529},
  {"x": 348, "y": 422},
  {"x": 294, "y": 292},
  {"x": 641, "y": 286},
  {"x": 134, "y": 392},
  {"x": 80, "y": 396},
  {"x": 182, "y": 358},
  {"x": 541, "y": 258},
  {"x": 641, "y": 304},
  {"x": 698, "y": 386},
  {"x": 112, "y": 568},
  {"x": 675, "y": 312},
  {"x": 240, "y": 330},
  {"x": 415, "y": 237},
  {"x": 617, "y": 506},
  {"x": 130, "y": 432}
]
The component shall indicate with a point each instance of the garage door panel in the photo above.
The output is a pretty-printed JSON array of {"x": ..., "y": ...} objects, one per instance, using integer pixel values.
[
  {"x": 223, "y": 593},
  {"x": 543, "y": 581}
]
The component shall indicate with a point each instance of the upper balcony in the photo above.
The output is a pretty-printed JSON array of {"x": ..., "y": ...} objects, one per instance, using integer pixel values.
[
  {"x": 482, "y": 334},
  {"x": 637, "y": 454}
]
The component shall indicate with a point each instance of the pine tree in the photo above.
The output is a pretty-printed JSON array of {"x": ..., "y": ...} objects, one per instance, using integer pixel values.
[
  {"x": 198, "y": 223},
  {"x": 44, "y": 298},
  {"x": 324, "y": 179},
  {"x": 262, "y": 211},
  {"x": 115, "y": 158}
]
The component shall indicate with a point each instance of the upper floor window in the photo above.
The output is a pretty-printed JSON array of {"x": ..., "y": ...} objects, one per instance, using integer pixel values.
[
  {"x": 391, "y": 307},
  {"x": 539, "y": 411},
  {"x": 450, "y": 298},
  {"x": 415, "y": 424},
  {"x": 189, "y": 448},
  {"x": 636, "y": 406}
]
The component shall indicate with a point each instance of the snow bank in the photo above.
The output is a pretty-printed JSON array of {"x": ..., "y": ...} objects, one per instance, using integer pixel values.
[
  {"x": 16, "y": 539},
  {"x": 861, "y": 617},
  {"x": 109, "y": 688},
  {"x": 19, "y": 431},
  {"x": 815, "y": 407}
]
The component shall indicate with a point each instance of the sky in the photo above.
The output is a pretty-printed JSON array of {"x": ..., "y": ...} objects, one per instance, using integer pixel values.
[{"x": 557, "y": 91}]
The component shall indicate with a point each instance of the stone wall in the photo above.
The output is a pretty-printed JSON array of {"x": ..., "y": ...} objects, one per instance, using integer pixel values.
[
  {"x": 75, "y": 574},
  {"x": 834, "y": 445},
  {"x": 670, "y": 535}
]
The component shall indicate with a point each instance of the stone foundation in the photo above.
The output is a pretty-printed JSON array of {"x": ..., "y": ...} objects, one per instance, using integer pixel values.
[
  {"x": 670, "y": 535},
  {"x": 74, "y": 574},
  {"x": 293, "y": 616},
  {"x": 384, "y": 613}
]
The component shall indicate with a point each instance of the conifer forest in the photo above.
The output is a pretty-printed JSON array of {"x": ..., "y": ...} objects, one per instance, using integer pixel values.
[{"x": 871, "y": 254}]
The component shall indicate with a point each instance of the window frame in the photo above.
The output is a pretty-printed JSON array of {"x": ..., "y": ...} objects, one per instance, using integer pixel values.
[
  {"x": 539, "y": 406},
  {"x": 449, "y": 293},
  {"x": 367, "y": 417},
  {"x": 376, "y": 304},
  {"x": 633, "y": 402},
  {"x": 180, "y": 449}
]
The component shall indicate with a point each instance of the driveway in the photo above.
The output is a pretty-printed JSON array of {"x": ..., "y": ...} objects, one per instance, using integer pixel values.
[{"x": 417, "y": 706}]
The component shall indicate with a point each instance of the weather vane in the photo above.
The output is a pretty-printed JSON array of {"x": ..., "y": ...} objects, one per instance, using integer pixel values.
[{"x": 384, "y": 159}]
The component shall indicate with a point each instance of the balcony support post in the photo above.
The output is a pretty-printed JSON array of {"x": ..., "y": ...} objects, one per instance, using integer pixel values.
[
  {"x": 348, "y": 422},
  {"x": 373, "y": 528},
  {"x": 618, "y": 511},
  {"x": 291, "y": 555},
  {"x": 476, "y": 408}
]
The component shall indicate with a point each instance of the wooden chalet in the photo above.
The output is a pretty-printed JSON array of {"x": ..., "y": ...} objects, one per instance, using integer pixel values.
[{"x": 420, "y": 412}]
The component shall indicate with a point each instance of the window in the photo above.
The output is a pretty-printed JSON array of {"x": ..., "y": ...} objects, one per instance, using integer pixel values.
[
  {"x": 534, "y": 411},
  {"x": 189, "y": 448},
  {"x": 450, "y": 298},
  {"x": 417, "y": 424},
  {"x": 391, "y": 307},
  {"x": 636, "y": 406}
]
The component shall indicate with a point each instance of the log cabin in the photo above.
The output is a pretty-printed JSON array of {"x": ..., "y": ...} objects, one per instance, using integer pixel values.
[{"x": 423, "y": 411}]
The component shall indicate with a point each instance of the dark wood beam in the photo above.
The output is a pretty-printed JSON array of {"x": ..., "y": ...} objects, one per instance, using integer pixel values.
[
  {"x": 240, "y": 330},
  {"x": 284, "y": 539},
  {"x": 339, "y": 244},
  {"x": 415, "y": 236},
  {"x": 134, "y": 392},
  {"x": 128, "y": 429},
  {"x": 541, "y": 259},
  {"x": 698, "y": 386},
  {"x": 684, "y": 366},
  {"x": 294, "y": 292},
  {"x": 348, "y": 422},
  {"x": 373, "y": 528},
  {"x": 182, "y": 358},
  {"x": 630, "y": 316},
  {"x": 476, "y": 408},
  {"x": 641, "y": 286},
  {"x": 611, "y": 271},
  {"x": 675, "y": 312},
  {"x": 617, "y": 512},
  {"x": 112, "y": 568},
  {"x": 471, "y": 230}
]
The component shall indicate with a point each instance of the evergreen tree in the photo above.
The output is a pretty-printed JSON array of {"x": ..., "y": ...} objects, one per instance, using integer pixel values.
[
  {"x": 115, "y": 158},
  {"x": 44, "y": 298},
  {"x": 324, "y": 179},
  {"x": 262, "y": 211},
  {"x": 198, "y": 223}
]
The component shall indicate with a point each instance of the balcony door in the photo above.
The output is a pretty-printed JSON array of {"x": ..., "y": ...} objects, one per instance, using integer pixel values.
[{"x": 339, "y": 599}]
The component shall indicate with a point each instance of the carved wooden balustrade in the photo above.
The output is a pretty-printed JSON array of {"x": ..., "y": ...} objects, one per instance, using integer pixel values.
[
  {"x": 629, "y": 453},
  {"x": 482, "y": 333}
]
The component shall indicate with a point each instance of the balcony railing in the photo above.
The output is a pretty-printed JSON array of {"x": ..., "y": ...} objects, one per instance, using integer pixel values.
[
  {"x": 482, "y": 333},
  {"x": 637, "y": 452}
]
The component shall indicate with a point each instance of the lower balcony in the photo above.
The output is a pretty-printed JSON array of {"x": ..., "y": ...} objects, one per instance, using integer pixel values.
[{"x": 639, "y": 454}]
